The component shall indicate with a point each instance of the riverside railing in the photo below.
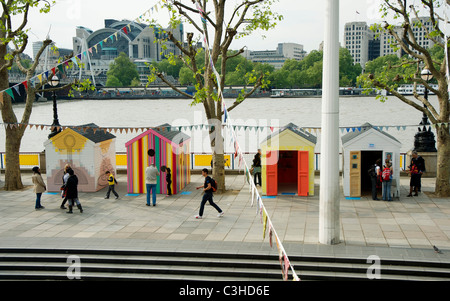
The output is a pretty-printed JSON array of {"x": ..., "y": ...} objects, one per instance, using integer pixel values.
[{"x": 198, "y": 160}]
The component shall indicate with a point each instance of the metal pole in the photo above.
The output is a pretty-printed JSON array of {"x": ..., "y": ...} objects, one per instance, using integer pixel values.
[
  {"x": 329, "y": 224},
  {"x": 55, "y": 118}
]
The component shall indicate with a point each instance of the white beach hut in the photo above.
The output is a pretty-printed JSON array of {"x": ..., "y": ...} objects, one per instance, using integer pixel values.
[{"x": 360, "y": 149}]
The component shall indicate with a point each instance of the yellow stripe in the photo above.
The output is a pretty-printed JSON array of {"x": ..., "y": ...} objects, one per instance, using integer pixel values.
[
  {"x": 121, "y": 160},
  {"x": 29, "y": 159}
]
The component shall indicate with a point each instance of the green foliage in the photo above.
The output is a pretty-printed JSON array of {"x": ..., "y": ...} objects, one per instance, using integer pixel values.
[{"x": 121, "y": 72}]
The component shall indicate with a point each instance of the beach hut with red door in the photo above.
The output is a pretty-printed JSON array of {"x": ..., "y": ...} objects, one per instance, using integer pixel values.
[
  {"x": 288, "y": 162},
  {"x": 167, "y": 148}
]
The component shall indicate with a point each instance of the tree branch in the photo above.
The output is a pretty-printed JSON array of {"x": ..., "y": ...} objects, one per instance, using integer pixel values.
[{"x": 172, "y": 86}]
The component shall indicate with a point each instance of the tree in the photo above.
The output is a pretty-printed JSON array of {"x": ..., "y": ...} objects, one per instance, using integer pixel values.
[
  {"x": 19, "y": 38},
  {"x": 219, "y": 31},
  {"x": 122, "y": 71},
  {"x": 419, "y": 57}
]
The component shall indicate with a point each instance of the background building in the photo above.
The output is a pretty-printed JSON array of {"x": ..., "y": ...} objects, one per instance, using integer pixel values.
[
  {"x": 277, "y": 57},
  {"x": 139, "y": 43},
  {"x": 365, "y": 45}
]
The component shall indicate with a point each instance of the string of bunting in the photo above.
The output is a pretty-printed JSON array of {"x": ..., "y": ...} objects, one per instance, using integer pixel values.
[
  {"x": 180, "y": 128},
  {"x": 76, "y": 59},
  {"x": 261, "y": 210}
]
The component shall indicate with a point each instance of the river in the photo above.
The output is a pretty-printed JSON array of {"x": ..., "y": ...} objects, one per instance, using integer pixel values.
[{"x": 304, "y": 112}]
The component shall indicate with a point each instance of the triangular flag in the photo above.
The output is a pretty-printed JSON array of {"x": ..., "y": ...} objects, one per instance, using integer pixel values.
[
  {"x": 16, "y": 87},
  {"x": 53, "y": 71},
  {"x": 61, "y": 69},
  {"x": 74, "y": 60},
  {"x": 40, "y": 78},
  {"x": 125, "y": 30},
  {"x": 25, "y": 84}
]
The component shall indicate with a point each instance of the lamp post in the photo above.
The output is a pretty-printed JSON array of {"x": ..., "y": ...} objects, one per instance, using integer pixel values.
[
  {"x": 54, "y": 82},
  {"x": 424, "y": 139}
]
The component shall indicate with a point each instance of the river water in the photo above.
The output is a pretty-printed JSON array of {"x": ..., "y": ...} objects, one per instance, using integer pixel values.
[{"x": 266, "y": 112}]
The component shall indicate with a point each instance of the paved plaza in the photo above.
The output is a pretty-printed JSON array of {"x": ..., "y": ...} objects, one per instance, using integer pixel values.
[{"x": 408, "y": 227}]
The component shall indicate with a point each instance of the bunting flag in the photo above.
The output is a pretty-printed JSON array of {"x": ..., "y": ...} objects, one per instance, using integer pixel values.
[{"x": 126, "y": 29}]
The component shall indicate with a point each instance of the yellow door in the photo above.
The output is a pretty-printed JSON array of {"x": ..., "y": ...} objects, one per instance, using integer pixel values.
[{"x": 355, "y": 174}]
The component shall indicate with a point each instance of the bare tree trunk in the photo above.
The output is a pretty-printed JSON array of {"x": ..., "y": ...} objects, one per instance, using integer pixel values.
[
  {"x": 442, "y": 188},
  {"x": 218, "y": 157}
]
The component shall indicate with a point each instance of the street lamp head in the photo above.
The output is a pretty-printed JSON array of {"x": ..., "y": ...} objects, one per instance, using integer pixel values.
[
  {"x": 54, "y": 81},
  {"x": 426, "y": 74}
]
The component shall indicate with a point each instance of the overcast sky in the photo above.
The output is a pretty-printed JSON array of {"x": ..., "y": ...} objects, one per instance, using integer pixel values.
[{"x": 303, "y": 20}]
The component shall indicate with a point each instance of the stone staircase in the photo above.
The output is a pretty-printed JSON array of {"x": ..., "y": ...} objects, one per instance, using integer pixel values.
[{"x": 53, "y": 264}]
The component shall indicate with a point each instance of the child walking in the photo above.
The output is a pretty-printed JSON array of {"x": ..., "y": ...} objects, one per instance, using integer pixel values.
[{"x": 112, "y": 182}]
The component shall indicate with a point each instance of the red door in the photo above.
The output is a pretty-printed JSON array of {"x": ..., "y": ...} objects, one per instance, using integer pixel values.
[
  {"x": 272, "y": 173},
  {"x": 303, "y": 173}
]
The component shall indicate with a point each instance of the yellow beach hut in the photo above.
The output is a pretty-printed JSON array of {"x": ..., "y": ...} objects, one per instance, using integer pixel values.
[{"x": 288, "y": 162}]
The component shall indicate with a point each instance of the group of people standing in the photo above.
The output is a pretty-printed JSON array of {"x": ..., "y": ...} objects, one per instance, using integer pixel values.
[{"x": 381, "y": 176}]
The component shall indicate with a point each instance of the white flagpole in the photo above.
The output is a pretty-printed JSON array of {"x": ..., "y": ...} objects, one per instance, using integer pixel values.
[{"x": 329, "y": 226}]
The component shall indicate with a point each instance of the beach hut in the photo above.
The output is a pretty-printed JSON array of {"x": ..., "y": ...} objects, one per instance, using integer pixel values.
[
  {"x": 167, "y": 148},
  {"x": 361, "y": 149},
  {"x": 89, "y": 151},
  {"x": 288, "y": 162}
]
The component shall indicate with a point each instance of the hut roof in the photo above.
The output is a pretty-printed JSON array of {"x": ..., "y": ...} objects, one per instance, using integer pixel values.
[
  {"x": 364, "y": 128},
  {"x": 98, "y": 136},
  {"x": 295, "y": 129},
  {"x": 171, "y": 134}
]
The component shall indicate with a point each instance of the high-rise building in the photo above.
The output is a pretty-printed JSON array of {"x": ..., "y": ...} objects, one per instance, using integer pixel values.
[
  {"x": 365, "y": 45},
  {"x": 356, "y": 39}
]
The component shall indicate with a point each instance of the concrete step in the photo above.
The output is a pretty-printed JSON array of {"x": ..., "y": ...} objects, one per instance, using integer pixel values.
[{"x": 41, "y": 264}]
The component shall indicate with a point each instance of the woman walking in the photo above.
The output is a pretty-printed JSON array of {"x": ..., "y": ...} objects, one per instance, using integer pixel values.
[
  {"x": 72, "y": 191},
  {"x": 39, "y": 186},
  {"x": 63, "y": 189}
]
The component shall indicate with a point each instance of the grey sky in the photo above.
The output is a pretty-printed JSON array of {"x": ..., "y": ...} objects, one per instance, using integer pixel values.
[{"x": 303, "y": 20}]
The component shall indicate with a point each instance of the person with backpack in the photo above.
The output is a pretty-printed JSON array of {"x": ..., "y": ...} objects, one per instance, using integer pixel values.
[
  {"x": 375, "y": 174},
  {"x": 209, "y": 187},
  {"x": 387, "y": 180}
]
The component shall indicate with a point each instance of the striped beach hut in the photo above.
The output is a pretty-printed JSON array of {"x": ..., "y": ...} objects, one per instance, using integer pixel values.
[{"x": 171, "y": 150}]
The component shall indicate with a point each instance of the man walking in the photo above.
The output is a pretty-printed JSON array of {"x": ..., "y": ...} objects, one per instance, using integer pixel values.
[
  {"x": 151, "y": 179},
  {"x": 208, "y": 195}
]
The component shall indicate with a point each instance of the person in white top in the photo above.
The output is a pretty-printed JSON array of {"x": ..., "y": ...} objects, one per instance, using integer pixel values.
[{"x": 151, "y": 179}]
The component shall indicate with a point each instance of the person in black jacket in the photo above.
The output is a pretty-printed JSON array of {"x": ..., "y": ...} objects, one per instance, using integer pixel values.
[
  {"x": 256, "y": 168},
  {"x": 169, "y": 181},
  {"x": 72, "y": 191},
  {"x": 416, "y": 169}
]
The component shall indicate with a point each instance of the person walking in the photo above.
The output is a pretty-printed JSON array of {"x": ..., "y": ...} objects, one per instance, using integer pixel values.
[
  {"x": 387, "y": 180},
  {"x": 374, "y": 173},
  {"x": 72, "y": 191},
  {"x": 208, "y": 195},
  {"x": 39, "y": 186},
  {"x": 256, "y": 168},
  {"x": 63, "y": 190},
  {"x": 111, "y": 184},
  {"x": 151, "y": 179},
  {"x": 169, "y": 181}
]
